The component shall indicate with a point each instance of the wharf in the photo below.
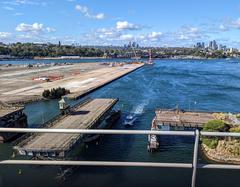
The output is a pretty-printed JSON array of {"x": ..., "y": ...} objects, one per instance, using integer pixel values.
[
  {"x": 181, "y": 118},
  {"x": 176, "y": 118},
  {"x": 85, "y": 116}
]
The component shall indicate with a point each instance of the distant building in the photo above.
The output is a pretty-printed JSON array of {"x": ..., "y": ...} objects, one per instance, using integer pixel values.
[
  {"x": 213, "y": 45},
  {"x": 131, "y": 45},
  {"x": 200, "y": 45}
]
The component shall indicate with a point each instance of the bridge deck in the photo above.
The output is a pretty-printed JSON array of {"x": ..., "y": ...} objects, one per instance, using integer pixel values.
[{"x": 83, "y": 117}]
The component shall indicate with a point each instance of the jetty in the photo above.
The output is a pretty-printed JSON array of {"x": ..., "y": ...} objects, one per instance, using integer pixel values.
[
  {"x": 177, "y": 118},
  {"x": 86, "y": 115},
  {"x": 182, "y": 118}
]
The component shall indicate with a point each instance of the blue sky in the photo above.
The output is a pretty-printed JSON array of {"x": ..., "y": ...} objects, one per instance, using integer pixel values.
[{"x": 109, "y": 22}]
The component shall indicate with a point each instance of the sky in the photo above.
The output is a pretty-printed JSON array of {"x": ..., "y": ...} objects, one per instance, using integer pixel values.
[{"x": 179, "y": 23}]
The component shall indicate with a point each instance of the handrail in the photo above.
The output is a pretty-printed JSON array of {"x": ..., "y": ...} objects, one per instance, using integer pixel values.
[{"x": 194, "y": 165}]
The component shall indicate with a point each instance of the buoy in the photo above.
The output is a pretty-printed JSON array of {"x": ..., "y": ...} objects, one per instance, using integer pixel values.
[
  {"x": 13, "y": 155},
  {"x": 19, "y": 172}
]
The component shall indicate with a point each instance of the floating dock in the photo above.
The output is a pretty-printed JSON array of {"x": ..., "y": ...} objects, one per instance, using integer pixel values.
[{"x": 85, "y": 116}]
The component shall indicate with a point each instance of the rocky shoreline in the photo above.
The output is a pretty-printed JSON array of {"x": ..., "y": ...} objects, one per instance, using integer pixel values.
[{"x": 221, "y": 153}]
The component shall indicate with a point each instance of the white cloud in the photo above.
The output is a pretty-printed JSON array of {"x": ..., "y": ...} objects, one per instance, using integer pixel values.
[
  {"x": 223, "y": 27},
  {"x": 18, "y": 14},
  {"x": 48, "y": 29},
  {"x": 229, "y": 23},
  {"x": 183, "y": 37},
  {"x": 85, "y": 11},
  {"x": 99, "y": 16},
  {"x": 154, "y": 36},
  {"x": 188, "y": 33},
  {"x": 21, "y": 1},
  {"x": 4, "y": 35},
  {"x": 25, "y": 2},
  {"x": 8, "y": 8},
  {"x": 193, "y": 30},
  {"x": 127, "y": 37},
  {"x": 124, "y": 25},
  {"x": 34, "y": 29},
  {"x": 236, "y": 23}
]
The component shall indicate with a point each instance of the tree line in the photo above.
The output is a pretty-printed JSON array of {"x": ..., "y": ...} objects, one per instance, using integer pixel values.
[{"x": 31, "y": 50}]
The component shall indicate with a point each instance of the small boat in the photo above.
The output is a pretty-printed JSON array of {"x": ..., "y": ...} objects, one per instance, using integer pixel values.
[{"x": 129, "y": 120}]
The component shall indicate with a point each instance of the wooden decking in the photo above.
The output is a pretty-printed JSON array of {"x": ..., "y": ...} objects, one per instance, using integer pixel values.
[
  {"x": 83, "y": 117},
  {"x": 181, "y": 118}
]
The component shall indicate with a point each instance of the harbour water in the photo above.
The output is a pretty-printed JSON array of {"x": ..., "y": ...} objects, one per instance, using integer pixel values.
[{"x": 210, "y": 85}]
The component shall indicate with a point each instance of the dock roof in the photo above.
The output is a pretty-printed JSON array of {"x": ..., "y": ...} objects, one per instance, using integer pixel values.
[{"x": 181, "y": 118}]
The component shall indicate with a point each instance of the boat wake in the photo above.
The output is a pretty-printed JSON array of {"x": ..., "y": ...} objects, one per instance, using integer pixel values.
[{"x": 139, "y": 109}]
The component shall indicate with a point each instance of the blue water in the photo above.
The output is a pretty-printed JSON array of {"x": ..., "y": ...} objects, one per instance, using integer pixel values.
[{"x": 209, "y": 85}]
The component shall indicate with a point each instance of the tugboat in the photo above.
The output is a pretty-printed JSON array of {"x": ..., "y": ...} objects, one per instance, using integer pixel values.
[{"x": 129, "y": 120}]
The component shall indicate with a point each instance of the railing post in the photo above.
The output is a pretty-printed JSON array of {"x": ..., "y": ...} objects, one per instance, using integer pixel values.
[{"x": 195, "y": 157}]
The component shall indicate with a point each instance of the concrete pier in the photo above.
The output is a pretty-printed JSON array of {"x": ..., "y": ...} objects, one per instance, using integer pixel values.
[{"x": 84, "y": 116}]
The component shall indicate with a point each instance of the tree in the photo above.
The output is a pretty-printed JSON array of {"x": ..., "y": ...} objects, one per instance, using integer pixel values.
[
  {"x": 46, "y": 93},
  {"x": 216, "y": 126},
  {"x": 55, "y": 93}
]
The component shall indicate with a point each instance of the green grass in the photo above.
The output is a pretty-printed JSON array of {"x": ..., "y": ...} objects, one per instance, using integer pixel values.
[{"x": 210, "y": 142}]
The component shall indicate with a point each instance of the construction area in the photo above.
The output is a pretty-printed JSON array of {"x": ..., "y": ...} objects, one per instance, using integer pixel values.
[
  {"x": 21, "y": 84},
  {"x": 86, "y": 115}
]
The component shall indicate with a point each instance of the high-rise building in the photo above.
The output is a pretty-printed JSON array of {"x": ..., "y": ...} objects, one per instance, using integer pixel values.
[
  {"x": 213, "y": 45},
  {"x": 200, "y": 45}
]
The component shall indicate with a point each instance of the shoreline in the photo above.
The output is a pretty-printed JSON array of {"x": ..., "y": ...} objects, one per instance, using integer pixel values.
[
  {"x": 92, "y": 58},
  {"x": 214, "y": 156}
]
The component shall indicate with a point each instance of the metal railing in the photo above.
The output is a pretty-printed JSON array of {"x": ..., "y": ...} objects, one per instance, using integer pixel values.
[{"x": 194, "y": 165}]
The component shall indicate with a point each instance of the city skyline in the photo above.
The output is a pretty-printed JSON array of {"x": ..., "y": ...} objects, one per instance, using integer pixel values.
[{"x": 152, "y": 23}]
